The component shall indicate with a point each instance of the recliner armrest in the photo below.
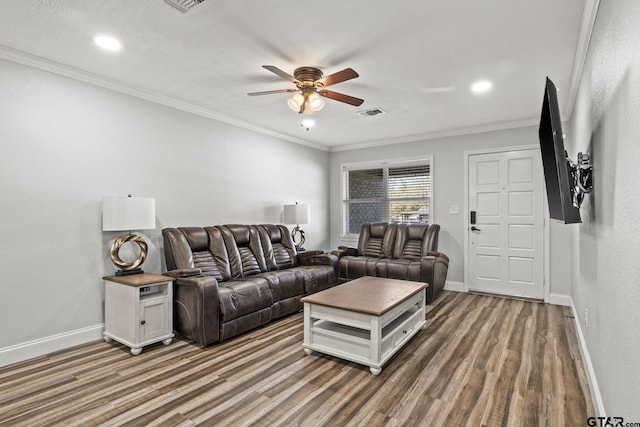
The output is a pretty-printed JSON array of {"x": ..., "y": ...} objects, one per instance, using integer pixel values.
[
  {"x": 184, "y": 272},
  {"x": 432, "y": 263},
  {"x": 197, "y": 309},
  {"x": 309, "y": 253},
  {"x": 318, "y": 259},
  {"x": 441, "y": 256},
  {"x": 345, "y": 251},
  {"x": 323, "y": 259},
  {"x": 433, "y": 270}
]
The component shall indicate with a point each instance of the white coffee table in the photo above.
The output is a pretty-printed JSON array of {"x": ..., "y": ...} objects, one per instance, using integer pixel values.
[{"x": 366, "y": 320}]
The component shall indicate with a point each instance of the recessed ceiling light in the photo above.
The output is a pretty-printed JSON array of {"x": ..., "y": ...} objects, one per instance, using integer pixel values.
[
  {"x": 107, "y": 42},
  {"x": 481, "y": 86},
  {"x": 307, "y": 123}
]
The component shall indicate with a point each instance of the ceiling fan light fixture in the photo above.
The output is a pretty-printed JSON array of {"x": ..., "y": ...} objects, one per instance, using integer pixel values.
[
  {"x": 315, "y": 102},
  {"x": 295, "y": 102},
  {"x": 310, "y": 83}
]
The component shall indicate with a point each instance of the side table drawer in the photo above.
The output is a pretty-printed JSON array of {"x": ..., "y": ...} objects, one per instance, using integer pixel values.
[{"x": 398, "y": 332}]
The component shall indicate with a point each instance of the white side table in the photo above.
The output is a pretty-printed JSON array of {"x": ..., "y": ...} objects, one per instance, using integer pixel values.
[{"x": 138, "y": 310}]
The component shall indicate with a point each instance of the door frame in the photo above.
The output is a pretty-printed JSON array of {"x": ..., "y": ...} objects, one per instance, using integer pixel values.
[{"x": 545, "y": 215}]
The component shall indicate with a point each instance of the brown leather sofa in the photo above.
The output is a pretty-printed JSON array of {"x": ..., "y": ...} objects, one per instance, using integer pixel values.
[
  {"x": 396, "y": 251},
  {"x": 233, "y": 278}
]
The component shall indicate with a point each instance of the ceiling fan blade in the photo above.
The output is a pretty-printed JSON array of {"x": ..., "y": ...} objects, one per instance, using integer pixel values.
[
  {"x": 281, "y": 73},
  {"x": 269, "y": 92},
  {"x": 341, "y": 97},
  {"x": 340, "y": 76}
]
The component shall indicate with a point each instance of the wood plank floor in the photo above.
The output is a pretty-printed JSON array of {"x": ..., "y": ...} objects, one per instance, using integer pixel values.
[{"x": 481, "y": 361}]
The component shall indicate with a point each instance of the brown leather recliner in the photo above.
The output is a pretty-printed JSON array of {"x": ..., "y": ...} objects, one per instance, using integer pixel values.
[
  {"x": 396, "y": 251},
  {"x": 233, "y": 278}
]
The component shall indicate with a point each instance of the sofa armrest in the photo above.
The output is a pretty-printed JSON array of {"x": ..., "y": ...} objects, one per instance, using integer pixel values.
[
  {"x": 344, "y": 251},
  {"x": 184, "y": 272},
  {"x": 322, "y": 259},
  {"x": 197, "y": 310},
  {"x": 442, "y": 257},
  {"x": 309, "y": 253},
  {"x": 433, "y": 270},
  {"x": 318, "y": 259}
]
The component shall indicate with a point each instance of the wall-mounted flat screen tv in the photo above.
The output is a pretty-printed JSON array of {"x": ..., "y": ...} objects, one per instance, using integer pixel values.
[{"x": 556, "y": 164}]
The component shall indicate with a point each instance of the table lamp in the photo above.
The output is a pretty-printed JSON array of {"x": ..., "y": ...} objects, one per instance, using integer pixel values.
[
  {"x": 297, "y": 214},
  {"x": 128, "y": 213}
]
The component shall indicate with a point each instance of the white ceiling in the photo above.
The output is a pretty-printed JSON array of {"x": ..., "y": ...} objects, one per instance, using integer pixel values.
[{"x": 416, "y": 59}]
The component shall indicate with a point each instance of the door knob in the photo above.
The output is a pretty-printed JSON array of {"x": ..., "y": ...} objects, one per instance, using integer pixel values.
[{"x": 474, "y": 228}]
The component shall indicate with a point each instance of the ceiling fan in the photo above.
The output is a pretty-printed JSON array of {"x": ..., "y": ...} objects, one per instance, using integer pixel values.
[{"x": 310, "y": 84}]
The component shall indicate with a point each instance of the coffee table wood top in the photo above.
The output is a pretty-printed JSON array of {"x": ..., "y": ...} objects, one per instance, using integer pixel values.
[{"x": 368, "y": 295}]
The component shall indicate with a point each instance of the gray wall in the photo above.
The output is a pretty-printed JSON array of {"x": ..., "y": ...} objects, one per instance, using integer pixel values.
[
  {"x": 606, "y": 265},
  {"x": 448, "y": 182},
  {"x": 67, "y": 144}
]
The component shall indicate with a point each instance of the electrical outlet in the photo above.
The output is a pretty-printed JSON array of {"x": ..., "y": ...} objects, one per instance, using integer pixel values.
[{"x": 586, "y": 317}]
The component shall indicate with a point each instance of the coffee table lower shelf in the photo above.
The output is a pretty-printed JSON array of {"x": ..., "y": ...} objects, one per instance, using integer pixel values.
[{"x": 367, "y": 339}]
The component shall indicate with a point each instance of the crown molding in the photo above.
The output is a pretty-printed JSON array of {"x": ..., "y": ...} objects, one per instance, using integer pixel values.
[
  {"x": 584, "y": 38},
  {"x": 441, "y": 134},
  {"x": 54, "y": 67}
]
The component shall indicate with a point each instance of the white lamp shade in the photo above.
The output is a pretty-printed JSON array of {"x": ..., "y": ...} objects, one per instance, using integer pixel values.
[
  {"x": 128, "y": 213},
  {"x": 296, "y": 214}
]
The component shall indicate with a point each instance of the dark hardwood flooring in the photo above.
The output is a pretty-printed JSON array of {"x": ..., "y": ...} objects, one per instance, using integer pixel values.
[{"x": 481, "y": 361}]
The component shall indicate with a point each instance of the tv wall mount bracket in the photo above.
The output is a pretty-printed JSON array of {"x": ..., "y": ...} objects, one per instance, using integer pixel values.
[{"x": 581, "y": 177}]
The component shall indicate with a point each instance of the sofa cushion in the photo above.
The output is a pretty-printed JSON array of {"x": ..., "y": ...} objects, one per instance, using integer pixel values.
[
  {"x": 243, "y": 296},
  {"x": 244, "y": 249},
  {"x": 352, "y": 267},
  {"x": 285, "y": 283},
  {"x": 316, "y": 277},
  {"x": 376, "y": 240},
  {"x": 413, "y": 241},
  {"x": 218, "y": 250},
  {"x": 197, "y": 248},
  {"x": 403, "y": 269},
  {"x": 278, "y": 247}
]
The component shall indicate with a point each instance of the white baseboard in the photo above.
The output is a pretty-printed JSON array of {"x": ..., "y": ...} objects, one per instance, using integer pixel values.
[
  {"x": 451, "y": 285},
  {"x": 20, "y": 352},
  {"x": 596, "y": 397},
  {"x": 560, "y": 299}
]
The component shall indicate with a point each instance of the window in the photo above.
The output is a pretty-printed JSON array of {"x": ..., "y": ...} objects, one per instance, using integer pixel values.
[{"x": 391, "y": 191}]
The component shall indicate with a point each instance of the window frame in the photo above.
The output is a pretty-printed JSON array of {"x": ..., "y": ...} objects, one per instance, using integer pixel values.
[{"x": 345, "y": 168}]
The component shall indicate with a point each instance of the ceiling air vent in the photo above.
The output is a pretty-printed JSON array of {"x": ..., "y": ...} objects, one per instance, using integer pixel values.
[
  {"x": 372, "y": 112},
  {"x": 183, "y": 5}
]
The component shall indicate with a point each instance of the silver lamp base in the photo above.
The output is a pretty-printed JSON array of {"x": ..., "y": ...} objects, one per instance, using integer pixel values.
[
  {"x": 128, "y": 268},
  {"x": 298, "y": 241}
]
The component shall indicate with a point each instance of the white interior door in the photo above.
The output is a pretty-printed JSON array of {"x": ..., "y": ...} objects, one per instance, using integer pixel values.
[{"x": 505, "y": 245}]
